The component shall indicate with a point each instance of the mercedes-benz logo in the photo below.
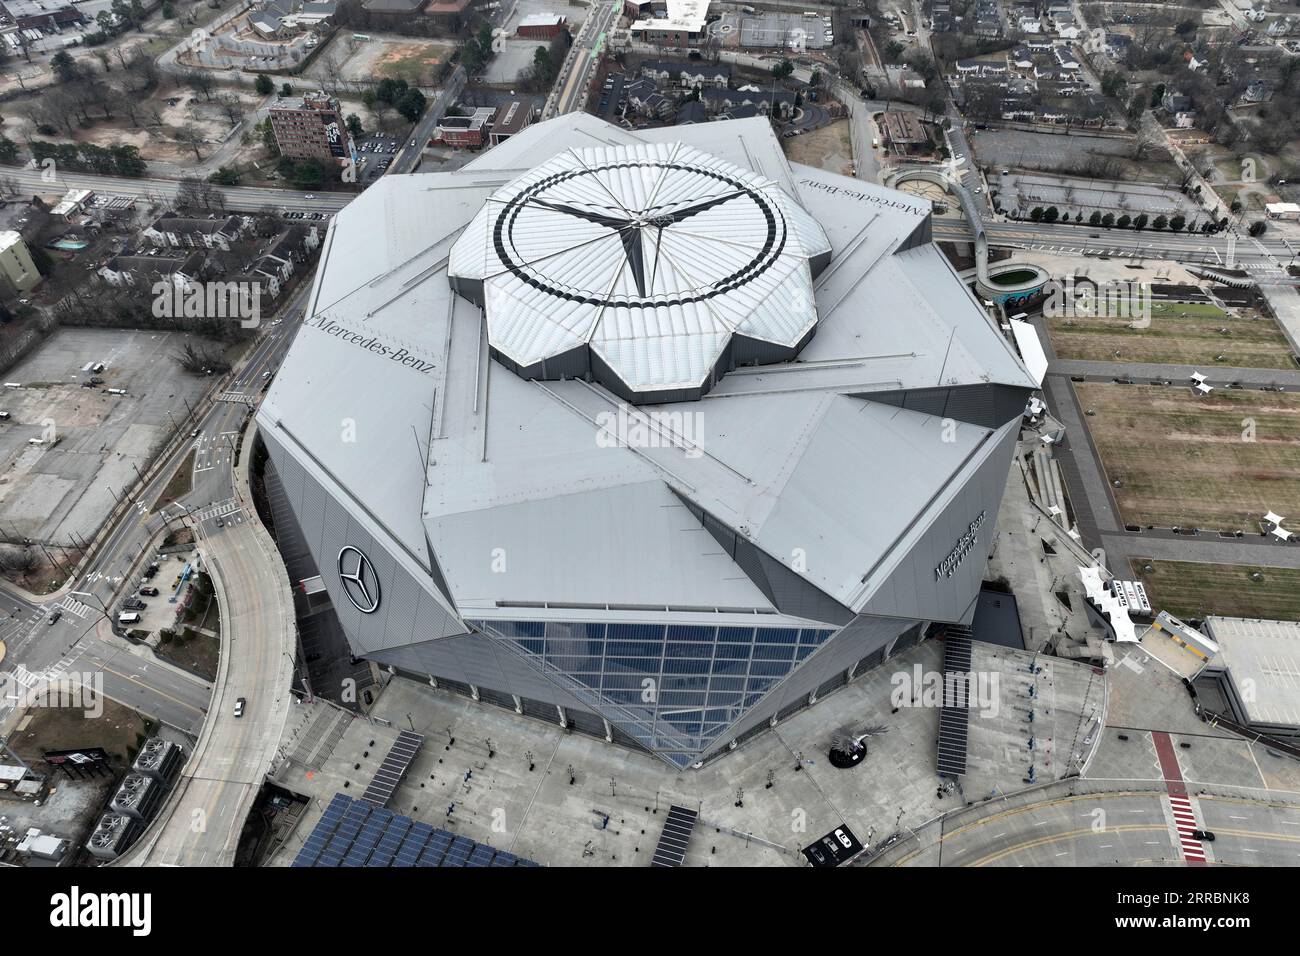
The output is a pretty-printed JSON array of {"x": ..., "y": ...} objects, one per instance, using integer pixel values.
[{"x": 360, "y": 582}]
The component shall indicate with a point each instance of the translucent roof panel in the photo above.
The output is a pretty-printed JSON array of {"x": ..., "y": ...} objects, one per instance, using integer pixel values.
[{"x": 652, "y": 255}]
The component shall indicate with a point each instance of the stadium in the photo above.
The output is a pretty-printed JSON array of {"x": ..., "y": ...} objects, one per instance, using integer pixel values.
[{"x": 650, "y": 433}]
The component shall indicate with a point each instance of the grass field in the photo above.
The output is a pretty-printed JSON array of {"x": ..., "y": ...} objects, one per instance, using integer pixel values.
[
  {"x": 1179, "y": 334},
  {"x": 1183, "y": 461},
  {"x": 1190, "y": 589}
]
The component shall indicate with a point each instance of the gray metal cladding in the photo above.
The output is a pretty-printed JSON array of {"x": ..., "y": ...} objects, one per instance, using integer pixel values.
[
  {"x": 788, "y": 591},
  {"x": 913, "y": 589},
  {"x": 989, "y": 405}
]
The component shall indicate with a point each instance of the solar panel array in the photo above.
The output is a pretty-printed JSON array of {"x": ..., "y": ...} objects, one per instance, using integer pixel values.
[
  {"x": 394, "y": 767},
  {"x": 954, "y": 718},
  {"x": 360, "y": 833}
]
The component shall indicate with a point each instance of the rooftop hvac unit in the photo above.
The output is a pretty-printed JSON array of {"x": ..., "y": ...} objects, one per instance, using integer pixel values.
[
  {"x": 111, "y": 836},
  {"x": 135, "y": 797},
  {"x": 158, "y": 759}
]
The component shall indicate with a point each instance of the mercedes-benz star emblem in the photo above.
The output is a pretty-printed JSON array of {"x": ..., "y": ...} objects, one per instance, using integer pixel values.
[{"x": 360, "y": 582}]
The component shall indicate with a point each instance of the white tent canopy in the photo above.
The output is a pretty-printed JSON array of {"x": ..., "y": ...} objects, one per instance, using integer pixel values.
[{"x": 1274, "y": 518}]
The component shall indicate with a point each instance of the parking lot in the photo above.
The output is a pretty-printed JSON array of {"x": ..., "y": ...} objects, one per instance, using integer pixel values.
[
  {"x": 375, "y": 154},
  {"x": 67, "y": 452}
]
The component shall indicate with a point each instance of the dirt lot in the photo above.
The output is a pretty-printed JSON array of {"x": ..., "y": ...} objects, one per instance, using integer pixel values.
[
  {"x": 162, "y": 116},
  {"x": 399, "y": 58},
  {"x": 1185, "y": 461},
  {"x": 1179, "y": 334},
  {"x": 826, "y": 148},
  {"x": 1189, "y": 589},
  {"x": 118, "y": 729}
]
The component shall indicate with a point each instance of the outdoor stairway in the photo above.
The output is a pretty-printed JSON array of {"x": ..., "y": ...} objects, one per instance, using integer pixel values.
[
  {"x": 954, "y": 718},
  {"x": 677, "y": 833}
]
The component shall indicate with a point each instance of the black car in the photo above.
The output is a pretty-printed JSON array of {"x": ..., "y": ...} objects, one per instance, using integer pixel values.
[
  {"x": 149, "y": 592},
  {"x": 1206, "y": 835}
]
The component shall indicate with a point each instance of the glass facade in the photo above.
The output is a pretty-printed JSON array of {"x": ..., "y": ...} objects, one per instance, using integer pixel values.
[{"x": 672, "y": 687}]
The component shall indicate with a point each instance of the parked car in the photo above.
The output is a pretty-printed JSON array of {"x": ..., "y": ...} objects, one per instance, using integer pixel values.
[{"x": 149, "y": 592}]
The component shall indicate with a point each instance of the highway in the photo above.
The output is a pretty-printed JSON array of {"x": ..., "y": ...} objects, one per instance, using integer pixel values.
[{"x": 238, "y": 198}]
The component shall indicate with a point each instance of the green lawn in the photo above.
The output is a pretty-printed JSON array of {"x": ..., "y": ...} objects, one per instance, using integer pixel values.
[
  {"x": 1179, "y": 334},
  {"x": 1217, "y": 462},
  {"x": 1190, "y": 589}
]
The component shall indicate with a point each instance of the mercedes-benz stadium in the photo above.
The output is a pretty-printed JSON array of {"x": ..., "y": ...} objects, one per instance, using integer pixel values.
[{"x": 651, "y": 433}]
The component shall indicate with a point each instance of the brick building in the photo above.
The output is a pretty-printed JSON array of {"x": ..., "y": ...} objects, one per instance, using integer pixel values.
[{"x": 311, "y": 128}]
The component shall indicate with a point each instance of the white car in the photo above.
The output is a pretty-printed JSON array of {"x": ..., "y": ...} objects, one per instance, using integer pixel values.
[{"x": 239, "y": 706}]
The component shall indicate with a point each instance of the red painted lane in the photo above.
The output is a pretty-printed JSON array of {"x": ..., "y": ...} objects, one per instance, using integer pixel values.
[{"x": 1179, "y": 802}]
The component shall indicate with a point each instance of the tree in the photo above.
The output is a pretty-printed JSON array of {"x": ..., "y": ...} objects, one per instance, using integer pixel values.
[
  {"x": 191, "y": 136},
  {"x": 1095, "y": 218},
  {"x": 1177, "y": 223},
  {"x": 1257, "y": 227},
  {"x": 8, "y": 150},
  {"x": 309, "y": 174},
  {"x": 1140, "y": 221},
  {"x": 1161, "y": 222},
  {"x": 64, "y": 67},
  {"x": 286, "y": 89},
  {"x": 1036, "y": 214},
  {"x": 263, "y": 85},
  {"x": 411, "y": 105},
  {"x": 355, "y": 129},
  {"x": 1108, "y": 220},
  {"x": 1124, "y": 221},
  {"x": 224, "y": 176},
  {"x": 1051, "y": 214},
  {"x": 782, "y": 69},
  {"x": 200, "y": 81}
]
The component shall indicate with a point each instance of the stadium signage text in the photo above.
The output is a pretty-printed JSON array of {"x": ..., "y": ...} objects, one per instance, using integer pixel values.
[
  {"x": 964, "y": 546},
  {"x": 863, "y": 197},
  {"x": 371, "y": 343}
]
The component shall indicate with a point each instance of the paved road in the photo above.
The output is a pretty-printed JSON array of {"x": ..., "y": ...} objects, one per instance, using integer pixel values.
[
  {"x": 568, "y": 94},
  {"x": 1211, "y": 250},
  {"x": 205, "y": 817},
  {"x": 238, "y": 198},
  {"x": 1103, "y": 829}
]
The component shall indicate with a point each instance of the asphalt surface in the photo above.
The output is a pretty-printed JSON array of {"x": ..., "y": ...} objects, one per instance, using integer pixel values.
[
  {"x": 583, "y": 59},
  {"x": 1106, "y": 829},
  {"x": 82, "y": 641}
]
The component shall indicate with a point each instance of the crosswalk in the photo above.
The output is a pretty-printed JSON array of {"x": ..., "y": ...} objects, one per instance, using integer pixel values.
[
  {"x": 72, "y": 606},
  {"x": 239, "y": 398},
  {"x": 1185, "y": 821},
  {"x": 219, "y": 510}
]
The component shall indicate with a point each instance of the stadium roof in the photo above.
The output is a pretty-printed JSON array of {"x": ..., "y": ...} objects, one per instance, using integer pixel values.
[
  {"x": 653, "y": 255},
  {"x": 450, "y": 454}
]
